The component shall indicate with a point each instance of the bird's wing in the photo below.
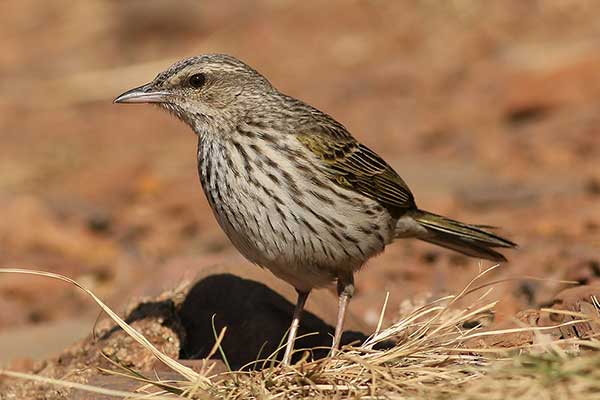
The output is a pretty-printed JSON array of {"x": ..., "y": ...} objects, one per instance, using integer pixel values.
[{"x": 354, "y": 166}]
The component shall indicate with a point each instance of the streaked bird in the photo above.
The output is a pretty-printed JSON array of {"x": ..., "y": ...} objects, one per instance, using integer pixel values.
[{"x": 293, "y": 190}]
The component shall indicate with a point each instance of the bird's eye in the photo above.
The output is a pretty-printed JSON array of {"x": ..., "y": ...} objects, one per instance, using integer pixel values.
[{"x": 197, "y": 80}]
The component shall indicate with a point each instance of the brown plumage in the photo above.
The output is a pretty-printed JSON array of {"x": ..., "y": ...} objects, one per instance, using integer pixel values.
[{"x": 290, "y": 186}]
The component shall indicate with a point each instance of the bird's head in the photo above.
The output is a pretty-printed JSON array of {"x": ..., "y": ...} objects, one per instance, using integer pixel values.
[{"x": 208, "y": 91}]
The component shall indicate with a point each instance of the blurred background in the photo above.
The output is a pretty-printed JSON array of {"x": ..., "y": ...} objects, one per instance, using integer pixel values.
[{"x": 489, "y": 110}]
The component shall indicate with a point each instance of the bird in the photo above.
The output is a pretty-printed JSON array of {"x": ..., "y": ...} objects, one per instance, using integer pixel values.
[{"x": 291, "y": 187}]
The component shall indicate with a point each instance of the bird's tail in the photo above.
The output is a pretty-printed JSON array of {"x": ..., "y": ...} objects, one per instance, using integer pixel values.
[{"x": 471, "y": 240}]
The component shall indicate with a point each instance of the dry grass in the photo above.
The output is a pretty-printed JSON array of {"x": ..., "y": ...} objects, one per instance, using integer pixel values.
[{"x": 431, "y": 359}]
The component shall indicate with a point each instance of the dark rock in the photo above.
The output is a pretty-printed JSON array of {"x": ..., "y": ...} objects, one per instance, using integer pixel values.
[{"x": 257, "y": 319}]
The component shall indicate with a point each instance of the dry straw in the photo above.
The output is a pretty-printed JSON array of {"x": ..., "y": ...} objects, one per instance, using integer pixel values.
[{"x": 423, "y": 355}]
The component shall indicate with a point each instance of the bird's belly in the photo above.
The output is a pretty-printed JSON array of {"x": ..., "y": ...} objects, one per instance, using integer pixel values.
[
  {"x": 306, "y": 234},
  {"x": 295, "y": 244}
]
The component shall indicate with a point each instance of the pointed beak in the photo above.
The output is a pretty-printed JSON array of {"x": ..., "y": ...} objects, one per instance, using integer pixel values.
[{"x": 143, "y": 94}]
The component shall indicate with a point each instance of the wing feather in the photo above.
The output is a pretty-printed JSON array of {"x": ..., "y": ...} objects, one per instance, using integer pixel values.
[{"x": 354, "y": 166}]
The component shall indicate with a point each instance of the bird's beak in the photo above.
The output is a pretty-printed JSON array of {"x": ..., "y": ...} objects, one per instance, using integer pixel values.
[{"x": 143, "y": 94}]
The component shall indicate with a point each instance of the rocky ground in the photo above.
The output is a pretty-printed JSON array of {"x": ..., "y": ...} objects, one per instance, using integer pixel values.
[{"x": 488, "y": 111}]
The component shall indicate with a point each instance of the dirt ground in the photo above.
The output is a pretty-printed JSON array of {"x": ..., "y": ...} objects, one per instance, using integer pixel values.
[{"x": 488, "y": 110}]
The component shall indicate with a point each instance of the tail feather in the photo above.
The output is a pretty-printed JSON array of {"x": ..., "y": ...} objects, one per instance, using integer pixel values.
[{"x": 467, "y": 239}]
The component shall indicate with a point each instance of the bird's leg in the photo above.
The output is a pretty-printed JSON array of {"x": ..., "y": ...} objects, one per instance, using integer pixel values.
[
  {"x": 302, "y": 296},
  {"x": 345, "y": 289}
]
